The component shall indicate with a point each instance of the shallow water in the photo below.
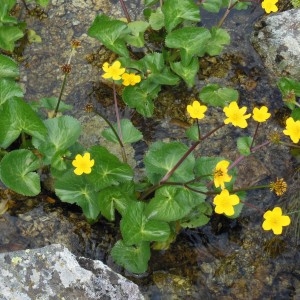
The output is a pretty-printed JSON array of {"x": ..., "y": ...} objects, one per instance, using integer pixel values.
[{"x": 227, "y": 259}]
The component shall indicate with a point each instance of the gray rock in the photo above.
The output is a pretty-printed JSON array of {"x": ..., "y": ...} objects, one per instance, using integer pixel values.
[
  {"x": 276, "y": 38},
  {"x": 53, "y": 272}
]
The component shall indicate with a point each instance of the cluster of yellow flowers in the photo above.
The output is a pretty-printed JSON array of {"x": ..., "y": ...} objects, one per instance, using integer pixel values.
[
  {"x": 116, "y": 72},
  {"x": 269, "y": 6},
  {"x": 224, "y": 202},
  {"x": 237, "y": 117}
]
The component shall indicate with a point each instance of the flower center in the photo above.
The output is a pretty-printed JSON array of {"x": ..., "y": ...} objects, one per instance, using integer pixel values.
[{"x": 218, "y": 173}]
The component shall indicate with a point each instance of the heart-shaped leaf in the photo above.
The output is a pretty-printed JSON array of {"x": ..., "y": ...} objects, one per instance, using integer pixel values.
[
  {"x": 133, "y": 258},
  {"x": 8, "y": 67},
  {"x": 136, "y": 227},
  {"x": 16, "y": 172},
  {"x": 17, "y": 116},
  {"x": 162, "y": 157}
]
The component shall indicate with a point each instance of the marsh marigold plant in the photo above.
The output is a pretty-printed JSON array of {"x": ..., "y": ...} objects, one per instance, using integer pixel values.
[
  {"x": 83, "y": 164},
  {"x": 275, "y": 220}
]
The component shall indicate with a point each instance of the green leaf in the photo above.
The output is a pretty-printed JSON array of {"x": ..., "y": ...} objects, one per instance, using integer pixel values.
[
  {"x": 153, "y": 62},
  {"x": 8, "y": 68},
  {"x": 150, "y": 2},
  {"x": 137, "y": 228},
  {"x": 213, "y": 6},
  {"x": 8, "y": 90},
  {"x": 176, "y": 11},
  {"x": 33, "y": 37},
  {"x": 5, "y": 8},
  {"x": 215, "y": 95},
  {"x": 80, "y": 190},
  {"x": 164, "y": 77},
  {"x": 243, "y": 145},
  {"x": 287, "y": 85},
  {"x": 239, "y": 6},
  {"x": 116, "y": 198},
  {"x": 162, "y": 157},
  {"x": 169, "y": 204},
  {"x": 191, "y": 40},
  {"x": 42, "y": 3},
  {"x": 8, "y": 36},
  {"x": 219, "y": 38},
  {"x": 17, "y": 116},
  {"x": 108, "y": 169},
  {"x": 51, "y": 102},
  {"x": 111, "y": 33},
  {"x": 133, "y": 258},
  {"x": 193, "y": 133},
  {"x": 139, "y": 98},
  {"x": 130, "y": 134},
  {"x": 187, "y": 73},
  {"x": 296, "y": 114},
  {"x": 199, "y": 216},
  {"x": 62, "y": 133},
  {"x": 157, "y": 19},
  {"x": 16, "y": 172},
  {"x": 136, "y": 37}
]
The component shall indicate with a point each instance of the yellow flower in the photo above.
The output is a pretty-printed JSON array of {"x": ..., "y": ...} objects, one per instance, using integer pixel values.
[
  {"x": 292, "y": 129},
  {"x": 130, "y": 79},
  {"x": 275, "y": 220},
  {"x": 261, "y": 114},
  {"x": 196, "y": 110},
  {"x": 83, "y": 164},
  {"x": 269, "y": 6},
  {"x": 224, "y": 203},
  {"x": 236, "y": 115},
  {"x": 279, "y": 186},
  {"x": 220, "y": 174},
  {"x": 114, "y": 71}
]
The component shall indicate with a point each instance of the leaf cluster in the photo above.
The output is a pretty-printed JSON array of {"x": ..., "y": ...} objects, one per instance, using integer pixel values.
[{"x": 167, "y": 60}]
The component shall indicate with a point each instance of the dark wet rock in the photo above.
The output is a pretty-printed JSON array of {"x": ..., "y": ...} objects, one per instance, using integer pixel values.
[
  {"x": 53, "y": 272},
  {"x": 277, "y": 40}
]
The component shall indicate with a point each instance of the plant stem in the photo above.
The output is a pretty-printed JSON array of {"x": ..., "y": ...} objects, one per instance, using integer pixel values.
[
  {"x": 117, "y": 111},
  {"x": 254, "y": 135},
  {"x": 230, "y": 6},
  {"x": 123, "y": 153},
  {"x": 120, "y": 137},
  {"x": 60, "y": 95},
  {"x": 199, "y": 134},
  {"x": 181, "y": 160},
  {"x": 289, "y": 145},
  {"x": 254, "y": 149},
  {"x": 125, "y": 11}
]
